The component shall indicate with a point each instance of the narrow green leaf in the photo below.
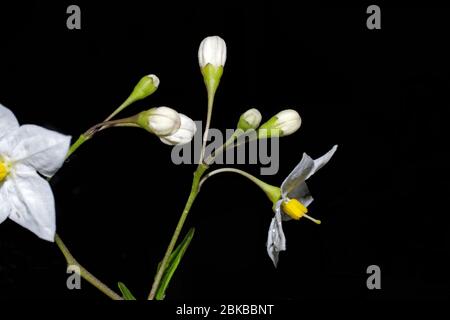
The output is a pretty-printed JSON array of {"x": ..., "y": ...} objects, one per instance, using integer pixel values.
[
  {"x": 173, "y": 263},
  {"x": 126, "y": 294}
]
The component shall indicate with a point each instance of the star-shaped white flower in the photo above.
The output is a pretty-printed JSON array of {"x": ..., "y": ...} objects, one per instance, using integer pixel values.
[
  {"x": 295, "y": 197},
  {"x": 26, "y": 197}
]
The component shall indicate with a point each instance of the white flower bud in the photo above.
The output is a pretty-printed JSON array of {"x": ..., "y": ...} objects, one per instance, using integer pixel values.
[
  {"x": 161, "y": 121},
  {"x": 250, "y": 119},
  {"x": 184, "y": 134},
  {"x": 288, "y": 121},
  {"x": 284, "y": 123},
  {"x": 212, "y": 50}
]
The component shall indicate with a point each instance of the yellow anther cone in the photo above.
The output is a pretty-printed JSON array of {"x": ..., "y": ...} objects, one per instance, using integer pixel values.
[
  {"x": 295, "y": 209},
  {"x": 3, "y": 171}
]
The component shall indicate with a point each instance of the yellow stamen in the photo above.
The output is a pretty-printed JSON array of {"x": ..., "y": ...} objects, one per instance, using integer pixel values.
[
  {"x": 295, "y": 209},
  {"x": 4, "y": 170}
]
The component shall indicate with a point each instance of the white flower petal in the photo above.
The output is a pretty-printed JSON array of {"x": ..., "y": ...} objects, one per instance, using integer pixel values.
[
  {"x": 8, "y": 121},
  {"x": 4, "y": 204},
  {"x": 212, "y": 50},
  {"x": 305, "y": 169},
  {"x": 298, "y": 175},
  {"x": 323, "y": 160},
  {"x": 42, "y": 149},
  {"x": 163, "y": 121},
  {"x": 32, "y": 202},
  {"x": 184, "y": 134},
  {"x": 276, "y": 241},
  {"x": 302, "y": 194}
]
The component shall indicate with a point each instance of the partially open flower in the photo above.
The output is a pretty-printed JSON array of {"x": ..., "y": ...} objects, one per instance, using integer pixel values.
[
  {"x": 282, "y": 124},
  {"x": 162, "y": 121},
  {"x": 184, "y": 134},
  {"x": 294, "y": 200},
  {"x": 250, "y": 120}
]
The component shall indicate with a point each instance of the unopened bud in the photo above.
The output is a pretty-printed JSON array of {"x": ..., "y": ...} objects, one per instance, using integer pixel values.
[
  {"x": 250, "y": 120},
  {"x": 184, "y": 134},
  {"x": 162, "y": 121},
  {"x": 145, "y": 87},
  {"x": 282, "y": 124},
  {"x": 212, "y": 55}
]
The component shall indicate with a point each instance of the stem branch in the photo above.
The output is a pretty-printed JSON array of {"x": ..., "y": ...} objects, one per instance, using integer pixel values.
[
  {"x": 89, "y": 277},
  {"x": 194, "y": 192}
]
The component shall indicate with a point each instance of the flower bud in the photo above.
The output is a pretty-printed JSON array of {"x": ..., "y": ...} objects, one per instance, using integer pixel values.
[
  {"x": 282, "y": 124},
  {"x": 212, "y": 50},
  {"x": 161, "y": 121},
  {"x": 184, "y": 134},
  {"x": 250, "y": 120},
  {"x": 212, "y": 55},
  {"x": 145, "y": 87}
]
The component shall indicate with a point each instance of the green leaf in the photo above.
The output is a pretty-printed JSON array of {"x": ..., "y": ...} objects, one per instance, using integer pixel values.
[
  {"x": 126, "y": 294},
  {"x": 173, "y": 263}
]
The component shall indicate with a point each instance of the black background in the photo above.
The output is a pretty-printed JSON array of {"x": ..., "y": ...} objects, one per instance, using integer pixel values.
[{"x": 380, "y": 94}]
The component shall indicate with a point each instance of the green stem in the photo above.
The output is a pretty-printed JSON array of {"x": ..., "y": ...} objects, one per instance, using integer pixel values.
[
  {"x": 194, "y": 192},
  {"x": 230, "y": 141},
  {"x": 81, "y": 139},
  {"x": 89, "y": 277},
  {"x": 126, "y": 122},
  {"x": 202, "y": 167},
  {"x": 211, "y": 94},
  {"x": 83, "y": 272},
  {"x": 125, "y": 104},
  {"x": 274, "y": 193}
]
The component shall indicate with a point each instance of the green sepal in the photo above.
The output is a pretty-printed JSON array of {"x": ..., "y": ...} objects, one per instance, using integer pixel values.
[
  {"x": 211, "y": 76},
  {"x": 269, "y": 129}
]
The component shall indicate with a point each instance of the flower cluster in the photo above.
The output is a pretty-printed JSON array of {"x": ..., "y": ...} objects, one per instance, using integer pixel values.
[
  {"x": 29, "y": 151},
  {"x": 166, "y": 123},
  {"x": 292, "y": 199}
]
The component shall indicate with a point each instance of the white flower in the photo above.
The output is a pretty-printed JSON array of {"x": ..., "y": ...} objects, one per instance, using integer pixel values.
[
  {"x": 250, "y": 119},
  {"x": 295, "y": 197},
  {"x": 212, "y": 50},
  {"x": 184, "y": 134},
  {"x": 26, "y": 197}
]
